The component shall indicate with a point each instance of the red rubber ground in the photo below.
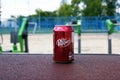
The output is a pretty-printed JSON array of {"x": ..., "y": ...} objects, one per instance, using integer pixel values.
[{"x": 42, "y": 67}]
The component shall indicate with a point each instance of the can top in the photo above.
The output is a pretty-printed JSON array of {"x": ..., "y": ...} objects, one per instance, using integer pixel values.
[{"x": 63, "y": 28}]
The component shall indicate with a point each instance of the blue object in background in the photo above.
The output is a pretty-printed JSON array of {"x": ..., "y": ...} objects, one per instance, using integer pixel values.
[{"x": 46, "y": 24}]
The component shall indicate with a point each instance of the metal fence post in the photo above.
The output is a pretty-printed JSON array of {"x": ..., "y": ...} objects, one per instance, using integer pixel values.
[
  {"x": 109, "y": 44},
  {"x": 79, "y": 38}
]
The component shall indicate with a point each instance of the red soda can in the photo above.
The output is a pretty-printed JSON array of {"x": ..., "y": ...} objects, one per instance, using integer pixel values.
[{"x": 63, "y": 42}]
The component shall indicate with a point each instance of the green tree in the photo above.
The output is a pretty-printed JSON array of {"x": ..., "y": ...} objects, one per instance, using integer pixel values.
[
  {"x": 65, "y": 10},
  {"x": 94, "y": 7},
  {"x": 40, "y": 12},
  {"x": 75, "y": 7},
  {"x": 110, "y": 7}
]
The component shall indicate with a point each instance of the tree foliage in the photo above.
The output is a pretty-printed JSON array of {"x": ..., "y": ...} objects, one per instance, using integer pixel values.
[
  {"x": 75, "y": 7},
  {"x": 110, "y": 7},
  {"x": 90, "y": 8},
  {"x": 39, "y": 12},
  {"x": 65, "y": 10},
  {"x": 95, "y": 7}
]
